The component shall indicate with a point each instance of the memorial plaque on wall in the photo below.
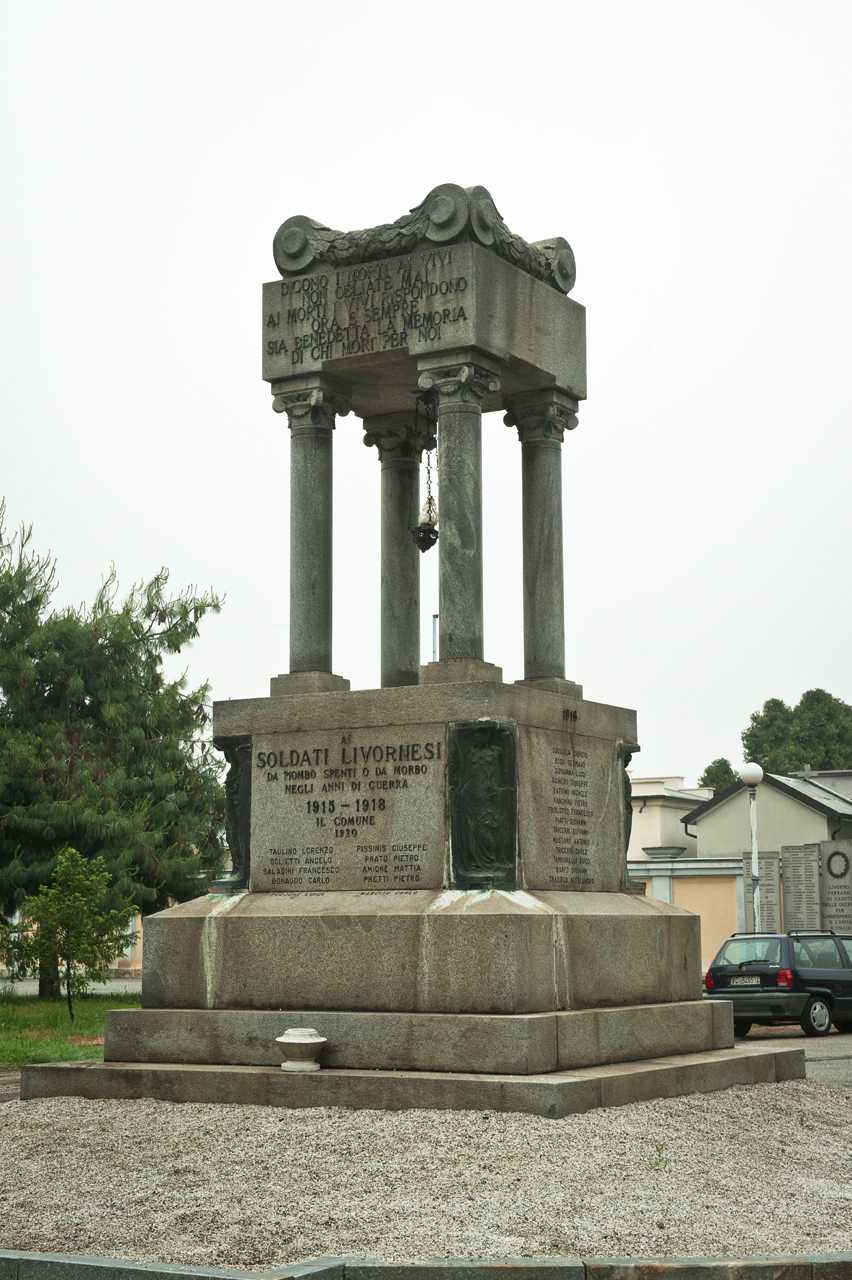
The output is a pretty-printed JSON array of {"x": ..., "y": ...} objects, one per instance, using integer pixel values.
[
  {"x": 769, "y": 866},
  {"x": 359, "y": 809},
  {"x": 836, "y": 885},
  {"x": 800, "y": 865},
  {"x": 570, "y": 812}
]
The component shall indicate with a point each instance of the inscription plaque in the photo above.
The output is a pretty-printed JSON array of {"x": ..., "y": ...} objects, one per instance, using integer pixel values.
[
  {"x": 769, "y": 865},
  {"x": 411, "y": 302},
  {"x": 355, "y": 809},
  {"x": 800, "y": 864},
  {"x": 570, "y": 800},
  {"x": 836, "y": 885}
]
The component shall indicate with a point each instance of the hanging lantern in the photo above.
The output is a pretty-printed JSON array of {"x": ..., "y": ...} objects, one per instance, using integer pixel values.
[{"x": 426, "y": 535}]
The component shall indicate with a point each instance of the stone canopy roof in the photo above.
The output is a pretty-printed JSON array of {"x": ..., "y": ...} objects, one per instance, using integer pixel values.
[{"x": 449, "y": 215}]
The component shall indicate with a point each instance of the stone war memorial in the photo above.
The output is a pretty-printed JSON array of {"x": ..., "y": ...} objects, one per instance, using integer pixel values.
[{"x": 430, "y": 875}]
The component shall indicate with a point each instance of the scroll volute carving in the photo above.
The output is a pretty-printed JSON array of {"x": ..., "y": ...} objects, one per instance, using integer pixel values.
[{"x": 449, "y": 215}]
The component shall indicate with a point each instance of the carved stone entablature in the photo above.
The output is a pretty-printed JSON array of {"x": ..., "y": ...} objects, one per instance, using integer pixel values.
[
  {"x": 398, "y": 435},
  {"x": 459, "y": 382},
  {"x": 449, "y": 215},
  {"x": 311, "y": 406},
  {"x": 542, "y": 415}
]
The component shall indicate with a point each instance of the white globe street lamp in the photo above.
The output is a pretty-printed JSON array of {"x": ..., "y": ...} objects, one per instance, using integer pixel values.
[{"x": 752, "y": 776}]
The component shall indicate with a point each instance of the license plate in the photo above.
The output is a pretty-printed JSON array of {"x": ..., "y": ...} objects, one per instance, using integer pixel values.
[{"x": 748, "y": 980}]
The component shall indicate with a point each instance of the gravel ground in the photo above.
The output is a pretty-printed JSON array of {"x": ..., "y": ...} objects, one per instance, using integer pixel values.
[{"x": 751, "y": 1170}]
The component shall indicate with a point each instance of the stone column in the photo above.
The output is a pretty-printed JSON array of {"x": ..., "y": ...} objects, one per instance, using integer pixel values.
[
  {"x": 459, "y": 386},
  {"x": 311, "y": 405},
  {"x": 542, "y": 418},
  {"x": 399, "y": 446}
]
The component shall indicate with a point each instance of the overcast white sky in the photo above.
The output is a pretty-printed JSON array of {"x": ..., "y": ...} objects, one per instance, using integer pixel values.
[{"x": 697, "y": 157}]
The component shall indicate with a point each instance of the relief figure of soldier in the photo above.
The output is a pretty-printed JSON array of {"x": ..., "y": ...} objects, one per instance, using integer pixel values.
[{"x": 483, "y": 804}]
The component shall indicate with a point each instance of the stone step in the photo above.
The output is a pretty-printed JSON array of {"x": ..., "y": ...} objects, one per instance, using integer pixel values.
[
  {"x": 554, "y": 1094},
  {"x": 496, "y": 1044}
]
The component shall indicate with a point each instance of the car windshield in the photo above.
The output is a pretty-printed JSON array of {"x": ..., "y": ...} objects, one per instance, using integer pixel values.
[{"x": 743, "y": 950}]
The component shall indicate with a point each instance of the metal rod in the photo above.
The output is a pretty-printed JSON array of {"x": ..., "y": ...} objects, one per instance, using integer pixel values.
[
  {"x": 755, "y": 865},
  {"x": 435, "y": 637}
]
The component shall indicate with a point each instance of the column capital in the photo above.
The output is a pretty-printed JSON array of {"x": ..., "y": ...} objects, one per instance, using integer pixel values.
[
  {"x": 542, "y": 415},
  {"x": 460, "y": 376},
  {"x": 311, "y": 401},
  {"x": 399, "y": 437}
]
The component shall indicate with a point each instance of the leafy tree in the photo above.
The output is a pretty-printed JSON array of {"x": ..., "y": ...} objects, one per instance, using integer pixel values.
[
  {"x": 98, "y": 750},
  {"x": 816, "y": 733},
  {"x": 66, "y": 927},
  {"x": 719, "y": 774}
]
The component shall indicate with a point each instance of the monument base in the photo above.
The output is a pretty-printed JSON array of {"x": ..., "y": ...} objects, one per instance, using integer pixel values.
[
  {"x": 525, "y": 1044},
  {"x": 553, "y": 1095},
  {"x": 425, "y": 951}
]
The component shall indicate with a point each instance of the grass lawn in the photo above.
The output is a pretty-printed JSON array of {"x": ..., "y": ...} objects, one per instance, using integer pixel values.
[{"x": 33, "y": 1030}]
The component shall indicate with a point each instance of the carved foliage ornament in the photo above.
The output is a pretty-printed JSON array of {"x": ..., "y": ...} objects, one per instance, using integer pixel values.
[
  {"x": 463, "y": 382},
  {"x": 546, "y": 418},
  {"x": 316, "y": 408},
  {"x": 449, "y": 215},
  {"x": 400, "y": 436}
]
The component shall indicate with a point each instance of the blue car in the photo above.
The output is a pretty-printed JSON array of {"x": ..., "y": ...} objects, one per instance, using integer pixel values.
[{"x": 802, "y": 976}]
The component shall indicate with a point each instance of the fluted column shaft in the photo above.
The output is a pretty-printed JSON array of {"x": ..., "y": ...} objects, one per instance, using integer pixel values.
[{"x": 459, "y": 390}]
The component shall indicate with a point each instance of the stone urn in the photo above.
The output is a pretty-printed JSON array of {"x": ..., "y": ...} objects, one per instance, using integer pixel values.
[{"x": 299, "y": 1047}]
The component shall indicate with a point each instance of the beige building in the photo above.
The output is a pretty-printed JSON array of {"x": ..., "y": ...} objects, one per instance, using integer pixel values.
[
  {"x": 801, "y": 809},
  {"x": 793, "y": 810},
  {"x": 659, "y": 807}
]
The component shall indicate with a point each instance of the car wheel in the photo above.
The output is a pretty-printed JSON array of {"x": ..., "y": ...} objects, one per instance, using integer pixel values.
[
  {"x": 741, "y": 1026},
  {"x": 816, "y": 1019},
  {"x": 844, "y": 1026}
]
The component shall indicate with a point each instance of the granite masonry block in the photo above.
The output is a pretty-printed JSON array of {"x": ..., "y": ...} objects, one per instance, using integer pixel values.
[
  {"x": 420, "y": 951},
  {"x": 524, "y": 1045},
  {"x": 55, "y": 1266},
  {"x": 827, "y": 1266},
  {"x": 471, "y": 1269},
  {"x": 723, "y": 1023},
  {"x": 781, "y": 1268},
  {"x": 554, "y": 1094},
  {"x": 832, "y": 1266}
]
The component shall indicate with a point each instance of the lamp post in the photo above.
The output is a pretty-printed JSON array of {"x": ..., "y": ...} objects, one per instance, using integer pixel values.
[{"x": 752, "y": 775}]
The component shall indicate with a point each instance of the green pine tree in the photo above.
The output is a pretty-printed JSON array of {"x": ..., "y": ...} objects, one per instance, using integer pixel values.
[
  {"x": 719, "y": 774},
  {"x": 67, "y": 927},
  {"x": 98, "y": 749}
]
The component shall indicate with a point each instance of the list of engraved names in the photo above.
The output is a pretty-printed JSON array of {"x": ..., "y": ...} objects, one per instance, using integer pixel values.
[
  {"x": 349, "y": 812},
  {"x": 570, "y": 815}
]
